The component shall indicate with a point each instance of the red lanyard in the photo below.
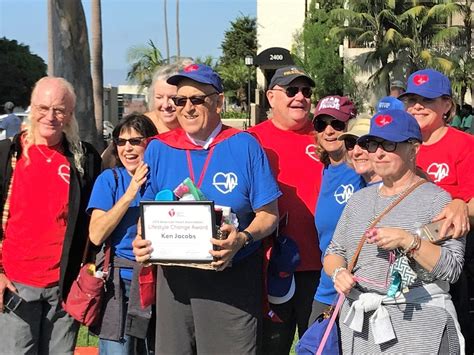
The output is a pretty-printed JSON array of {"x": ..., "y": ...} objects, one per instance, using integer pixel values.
[{"x": 204, "y": 168}]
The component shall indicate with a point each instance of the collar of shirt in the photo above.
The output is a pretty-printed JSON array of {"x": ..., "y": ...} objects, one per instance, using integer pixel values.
[{"x": 206, "y": 143}]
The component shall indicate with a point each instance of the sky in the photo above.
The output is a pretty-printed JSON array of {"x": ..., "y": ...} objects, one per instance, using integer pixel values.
[{"x": 128, "y": 23}]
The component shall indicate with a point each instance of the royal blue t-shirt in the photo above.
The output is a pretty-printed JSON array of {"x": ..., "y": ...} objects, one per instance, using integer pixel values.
[
  {"x": 238, "y": 175},
  {"x": 337, "y": 186},
  {"x": 106, "y": 192}
]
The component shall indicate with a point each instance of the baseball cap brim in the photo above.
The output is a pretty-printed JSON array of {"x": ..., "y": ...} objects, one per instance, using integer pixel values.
[
  {"x": 280, "y": 289},
  {"x": 338, "y": 115},
  {"x": 176, "y": 79},
  {"x": 290, "y": 79},
  {"x": 424, "y": 93}
]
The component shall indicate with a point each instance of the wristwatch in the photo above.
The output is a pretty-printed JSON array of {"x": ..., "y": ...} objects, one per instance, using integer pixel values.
[{"x": 249, "y": 239}]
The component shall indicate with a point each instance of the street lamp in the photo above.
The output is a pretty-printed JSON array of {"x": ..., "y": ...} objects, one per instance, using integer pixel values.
[{"x": 249, "y": 64}]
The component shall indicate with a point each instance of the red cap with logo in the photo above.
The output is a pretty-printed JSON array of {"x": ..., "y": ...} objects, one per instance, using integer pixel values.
[{"x": 339, "y": 107}]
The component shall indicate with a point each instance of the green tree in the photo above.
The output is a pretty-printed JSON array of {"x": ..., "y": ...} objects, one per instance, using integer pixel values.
[
  {"x": 318, "y": 53},
  {"x": 19, "y": 70},
  {"x": 144, "y": 60},
  {"x": 240, "y": 40}
]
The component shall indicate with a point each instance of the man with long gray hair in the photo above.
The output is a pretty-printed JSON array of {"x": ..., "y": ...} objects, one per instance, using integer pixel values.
[{"x": 46, "y": 176}]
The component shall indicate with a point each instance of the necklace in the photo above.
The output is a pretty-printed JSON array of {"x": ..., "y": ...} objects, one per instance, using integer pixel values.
[{"x": 48, "y": 159}]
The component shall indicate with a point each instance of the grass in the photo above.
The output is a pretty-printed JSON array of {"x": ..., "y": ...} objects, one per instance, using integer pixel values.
[{"x": 86, "y": 339}]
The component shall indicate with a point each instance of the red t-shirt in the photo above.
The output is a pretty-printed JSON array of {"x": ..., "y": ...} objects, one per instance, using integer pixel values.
[
  {"x": 297, "y": 169},
  {"x": 35, "y": 231},
  {"x": 450, "y": 163}
]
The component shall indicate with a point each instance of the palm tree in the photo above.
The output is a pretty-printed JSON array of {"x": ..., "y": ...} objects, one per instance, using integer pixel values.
[
  {"x": 144, "y": 60},
  {"x": 97, "y": 66},
  {"x": 178, "y": 45},
  {"x": 167, "y": 42},
  {"x": 70, "y": 59}
]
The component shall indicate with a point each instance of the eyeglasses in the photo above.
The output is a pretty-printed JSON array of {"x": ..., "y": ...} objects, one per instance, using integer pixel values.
[
  {"x": 372, "y": 145},
  {"x": 133, "y": 141},
  {"x": 58, "y": 112},
  {"x": 350, "y": 142},
  {"x": 320, "y": 125},
  {"x": 291, "y": 91},
  {"x": 195, "y": 100}
]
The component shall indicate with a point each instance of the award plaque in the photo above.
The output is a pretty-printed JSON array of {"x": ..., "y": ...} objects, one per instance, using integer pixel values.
[{"x": 179, "y": 231}]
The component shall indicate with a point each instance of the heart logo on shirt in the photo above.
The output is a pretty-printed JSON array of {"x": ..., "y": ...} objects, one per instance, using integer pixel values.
[
  {"x": 225, "y": 182},
  {"x": 64, "y": 173},
  {"x": 438, "y": 171},
  {"x": 420, "y": 79},
  {"x": 311, "y": 152},
  {"x": 383, "y": 120}
]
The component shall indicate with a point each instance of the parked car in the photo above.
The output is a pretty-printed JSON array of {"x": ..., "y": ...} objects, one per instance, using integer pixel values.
[{"x": 107, "y": 131}]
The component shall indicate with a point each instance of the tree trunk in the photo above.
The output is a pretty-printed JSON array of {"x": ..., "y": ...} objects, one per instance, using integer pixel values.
[
  {"x": 71, "y": 60},
  {"x": 178, "y": 45},
  {"x": 97, "y": 69},
  {"x": 165, "y": 14},
  {"x": 50, "y": 38}
]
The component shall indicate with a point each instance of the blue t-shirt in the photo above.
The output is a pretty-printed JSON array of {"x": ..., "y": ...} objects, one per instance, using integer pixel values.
[
  {"x": 105, "y": 194},
  {"x": 11, "y": 124},
  {"x": 238, "y": 175},
  {"x": 337, "y": 186}
]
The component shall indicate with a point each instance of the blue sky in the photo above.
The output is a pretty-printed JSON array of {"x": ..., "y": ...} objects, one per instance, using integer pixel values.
[{"x": 128, "y": 23}]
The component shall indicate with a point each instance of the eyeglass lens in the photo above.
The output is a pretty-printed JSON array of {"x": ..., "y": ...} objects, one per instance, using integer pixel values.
[
  {"x": 292, "y": 91},
  {"x": 350, "y": 143},
  {"x": 133, "y": 141},
  {"x": 195, "y": 100},
  {"x": 320, "y": 125},
  {"x": 372, "y": 146}
]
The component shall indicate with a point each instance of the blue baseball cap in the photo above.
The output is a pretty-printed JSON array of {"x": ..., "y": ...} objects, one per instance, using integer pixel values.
[
  {"x": 284, "y": 260},
  {"x": 394, "y": 126},
  {"x": 428, "y": 83},
  {"x": 389, "y": 103},
  {"x": 200, "y": 73}
]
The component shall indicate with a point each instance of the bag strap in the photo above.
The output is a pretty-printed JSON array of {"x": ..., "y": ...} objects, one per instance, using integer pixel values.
[
  {"x": 108, "y": 243},
  {"x": 353, "y": 262},
  {"x": 377, "y": 220}
]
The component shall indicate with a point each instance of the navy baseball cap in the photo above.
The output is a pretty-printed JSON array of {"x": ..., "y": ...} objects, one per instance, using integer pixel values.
[
  {"x": 200, "y": 73},
  {"x": 284, "y": 260},
  {"x": 394, "y": 126},
  {"x": 428, "y": 83},
  {"x": 285, "y": 75},
  {"x": 389, "y": 103}
]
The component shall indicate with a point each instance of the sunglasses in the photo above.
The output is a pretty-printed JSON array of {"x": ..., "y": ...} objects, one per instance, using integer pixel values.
[
  {"x": 291, "y": 91},
  {"x": 133, "y": 141},
  {"x": 320, "y": 125},
  {"x": 195, "y": 100},
  {"x": 350, "y": 143},
  {"x": 371, "y": 145}
]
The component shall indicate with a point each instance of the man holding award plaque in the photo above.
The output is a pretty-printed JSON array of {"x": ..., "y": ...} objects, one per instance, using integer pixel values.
[{"x": 200, "y": 310}]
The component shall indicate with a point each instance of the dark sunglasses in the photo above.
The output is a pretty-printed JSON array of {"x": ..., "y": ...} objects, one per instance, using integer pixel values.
[
  {"x": 133, "y": 141},
  {"x": 320, "y": 125},
  {"x": 291, "y": 91},
  {"x": 372, "y": 145},
  {"x": 195, "y": 100},
  {"x": 350, "y": 143}
]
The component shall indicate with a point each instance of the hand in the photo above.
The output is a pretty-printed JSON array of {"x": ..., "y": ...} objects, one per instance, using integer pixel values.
[
  {"x": 142, "y": 249},
  {"x": 389, "y": 238},
  {"x": 5, "y": 283},
  {"x": 457, "y": 215},
  {"x": 344, "y": 282},
  {"x": 228, "y": 247},
  {"x": 138, "y": 179}
]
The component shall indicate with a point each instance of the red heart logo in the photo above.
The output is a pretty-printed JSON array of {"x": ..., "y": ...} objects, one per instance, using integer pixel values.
[
  {"x": 383, "y": 120},
  {"x": 420, "y": 79},
  {"x": 191, "y": 67},
  {"x": 171, "y": 212}
]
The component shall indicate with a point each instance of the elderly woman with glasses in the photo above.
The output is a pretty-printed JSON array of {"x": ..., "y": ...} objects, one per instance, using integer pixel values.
[
  {"x": 114, "y": 209},
  {"x": 397, "y": 296}
]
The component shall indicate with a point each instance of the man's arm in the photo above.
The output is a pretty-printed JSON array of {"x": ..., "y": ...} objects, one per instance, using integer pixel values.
[{"x": 264, "y": 223}]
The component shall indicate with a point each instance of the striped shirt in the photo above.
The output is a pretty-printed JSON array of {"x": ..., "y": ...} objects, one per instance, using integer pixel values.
[{"x": 418, "y": 328}]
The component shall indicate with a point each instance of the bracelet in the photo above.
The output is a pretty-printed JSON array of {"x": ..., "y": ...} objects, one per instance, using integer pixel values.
[
  {"x": 249, "y": 238},
  {"x": 414, "y": 245},
  {"x": 336, "y": 271}
]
